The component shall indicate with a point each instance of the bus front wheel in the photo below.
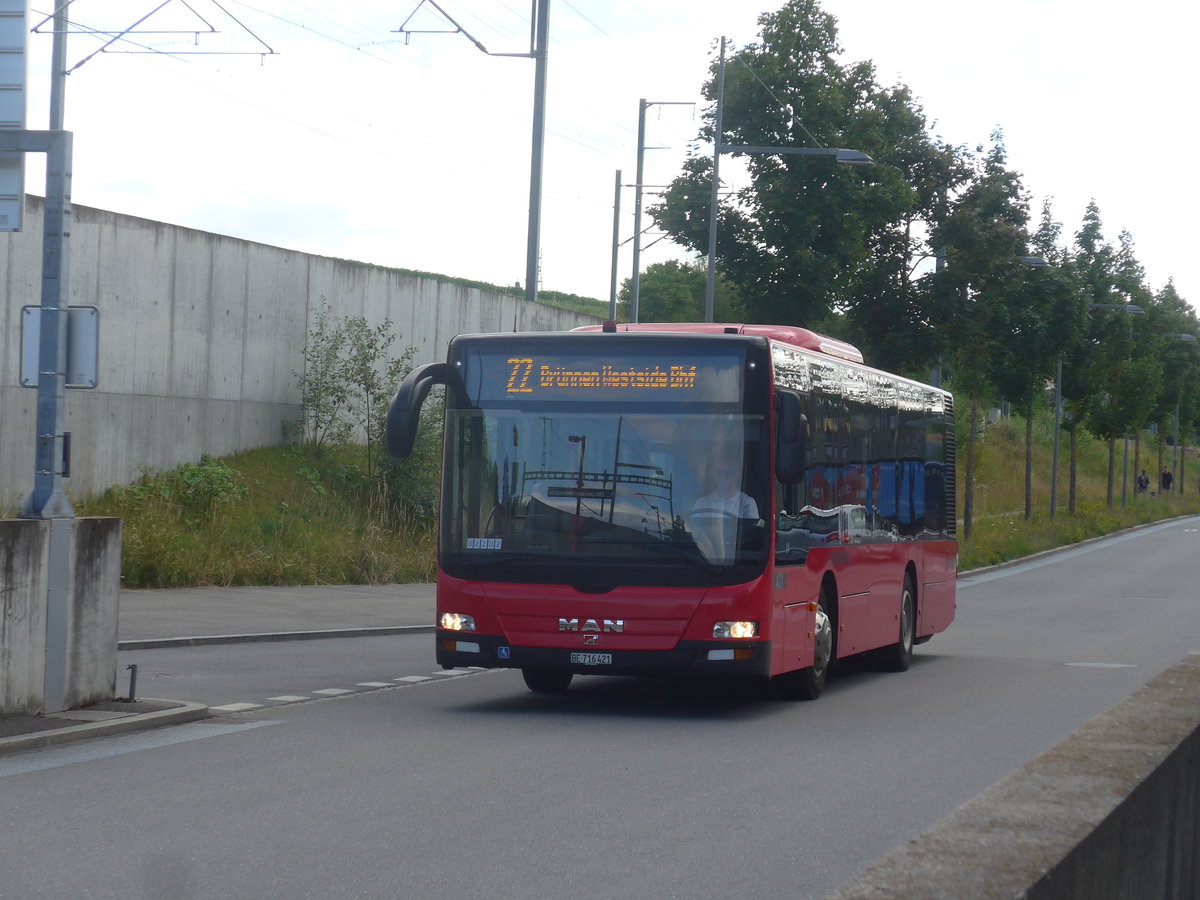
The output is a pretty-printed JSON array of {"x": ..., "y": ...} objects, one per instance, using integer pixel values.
[
  {"x": 807, "y": 684},
  {"x": 546, "y": 681}
]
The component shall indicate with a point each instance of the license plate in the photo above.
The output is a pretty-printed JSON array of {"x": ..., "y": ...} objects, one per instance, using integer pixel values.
[{"x": 591, "y": 659}]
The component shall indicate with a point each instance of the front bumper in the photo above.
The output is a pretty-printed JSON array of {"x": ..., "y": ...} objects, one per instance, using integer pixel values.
[{"x": 456, "y": 649}]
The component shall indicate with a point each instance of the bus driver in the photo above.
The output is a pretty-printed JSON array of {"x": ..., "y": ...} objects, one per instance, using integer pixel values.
[{"x": 727, "y": 498}]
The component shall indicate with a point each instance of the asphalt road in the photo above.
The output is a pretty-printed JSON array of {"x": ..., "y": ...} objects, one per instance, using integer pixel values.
[{"x": 468, "y": 786}]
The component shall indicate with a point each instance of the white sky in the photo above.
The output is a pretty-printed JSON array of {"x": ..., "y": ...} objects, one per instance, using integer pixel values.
[{"x": 351, "y": 143}]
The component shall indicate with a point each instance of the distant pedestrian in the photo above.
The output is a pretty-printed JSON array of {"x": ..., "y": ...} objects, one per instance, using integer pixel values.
[
  {"x": 1143, "y": 482},
  {"x": 1165, "y": 480}
]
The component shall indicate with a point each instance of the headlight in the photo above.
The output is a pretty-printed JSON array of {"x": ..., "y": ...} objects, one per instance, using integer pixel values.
[
  {"x": 457, "y": 622},
  {"x": 735, "y": 630}
]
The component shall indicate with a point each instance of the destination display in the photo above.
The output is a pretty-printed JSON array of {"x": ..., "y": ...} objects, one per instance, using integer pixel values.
[
  {"x": 672, "y": 376},
  {"x": 527, "y": 376}
]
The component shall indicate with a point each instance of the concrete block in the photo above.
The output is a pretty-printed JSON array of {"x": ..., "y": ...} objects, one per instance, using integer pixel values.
[
  {"x": 23, "y": 552},
  {"x": 93, "y": 569},
  {"x": 95, "y": 593}
]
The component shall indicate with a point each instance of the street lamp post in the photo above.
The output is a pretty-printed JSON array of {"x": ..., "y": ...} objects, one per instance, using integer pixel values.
[{"x": 846, "y": 157}]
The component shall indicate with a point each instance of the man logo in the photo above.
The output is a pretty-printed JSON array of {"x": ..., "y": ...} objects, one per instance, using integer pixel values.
[
  {"x": 613, "y": 626},
  {"x": 591, "y": 640}
]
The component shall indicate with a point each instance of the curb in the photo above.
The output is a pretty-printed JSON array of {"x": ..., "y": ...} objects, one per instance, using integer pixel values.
[
  {"x": 182, "y": 712},
  {"x": 201, "y": 640}
]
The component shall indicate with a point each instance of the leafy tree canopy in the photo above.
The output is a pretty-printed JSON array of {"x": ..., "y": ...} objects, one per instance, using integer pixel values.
[
  {"x": 675, "y": 291},
  {"x": 810, "y": 236}
]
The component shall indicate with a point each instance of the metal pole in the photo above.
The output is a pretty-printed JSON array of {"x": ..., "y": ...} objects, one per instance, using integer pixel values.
[
  {"x": 539, "y": 140},
  {"x": 1125, "y": 474},
  {"x": 1125, "y": 463},
  {"x": 1057, "y": 427},
  {"x": 714, "y": 198},
  {"x": 49, "y": 500},
  {"x": 939, "y": 263},
  {"x": 1175, "y": 452},
  {"x": 612, "y": 286},
  {"x": 635, "y": 282}
]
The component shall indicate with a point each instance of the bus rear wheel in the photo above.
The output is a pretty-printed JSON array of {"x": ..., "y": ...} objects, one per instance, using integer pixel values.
[
  {"x": 546, "y": 681},
  {"x": 807, "y": 684},
  {"x": 898, "y": 656}
]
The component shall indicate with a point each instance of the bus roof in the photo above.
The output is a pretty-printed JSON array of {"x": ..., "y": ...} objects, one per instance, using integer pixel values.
[{"x": 785, "y": 334}]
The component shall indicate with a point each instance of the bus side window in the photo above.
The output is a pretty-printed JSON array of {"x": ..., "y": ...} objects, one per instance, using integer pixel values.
[
  {"x": 791, "y": 537},
  {"x": 912, "y": 472}
]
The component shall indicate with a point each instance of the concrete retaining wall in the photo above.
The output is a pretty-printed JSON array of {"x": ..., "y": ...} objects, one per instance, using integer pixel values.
[
  {"x": 89, "y": 614},
  {"x": 1111, "y": 812},
  {"x": 200, "y": 337}
]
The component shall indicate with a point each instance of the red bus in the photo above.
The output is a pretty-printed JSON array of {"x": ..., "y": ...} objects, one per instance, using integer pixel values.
[{"x": 708, "y": 499}]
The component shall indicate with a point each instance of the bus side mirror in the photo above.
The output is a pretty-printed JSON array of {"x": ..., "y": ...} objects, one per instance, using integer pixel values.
[
  {"x": 404, "y": 413},
  {"x": 791, "y": 438}
]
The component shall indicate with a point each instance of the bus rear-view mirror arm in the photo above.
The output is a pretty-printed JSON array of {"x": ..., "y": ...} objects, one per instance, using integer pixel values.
[
  {"x": 404, "y": 413},
  {"x": 791, "y": 438}
]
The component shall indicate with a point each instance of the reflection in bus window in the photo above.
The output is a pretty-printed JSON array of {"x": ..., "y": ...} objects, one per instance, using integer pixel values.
[{"x": 606, "y": 484}]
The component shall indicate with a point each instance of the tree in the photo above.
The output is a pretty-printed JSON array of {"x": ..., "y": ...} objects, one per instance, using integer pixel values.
[
  {"x": 1172, "y": 325},
  {"x": 807, "y": 236},
  {"x": 1083, "y": 368},
  {"x": 1043, "y": 315},
  {"x": 674, "y": 291},
  {"x": 1115, "y": 365},
  {"x": 347, "y": 382},
  {"x": 985, "y": 239}
]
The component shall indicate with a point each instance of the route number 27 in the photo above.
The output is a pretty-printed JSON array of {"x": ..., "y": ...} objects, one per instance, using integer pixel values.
[{"x": 518, "y": 379}]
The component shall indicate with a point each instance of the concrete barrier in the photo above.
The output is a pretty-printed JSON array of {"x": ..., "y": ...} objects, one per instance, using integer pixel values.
[
  {"x": 1111, "y": 812},
  {"x": 24, "y": 545},
  {"x": 200, "y": 339},
  {"x": 93, "y": 581}
]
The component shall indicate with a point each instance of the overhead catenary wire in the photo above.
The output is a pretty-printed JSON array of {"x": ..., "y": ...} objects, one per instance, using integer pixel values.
[{"x": 386, "y": 131}]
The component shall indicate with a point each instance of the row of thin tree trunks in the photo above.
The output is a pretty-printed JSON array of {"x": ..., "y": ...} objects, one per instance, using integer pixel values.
[{"x": 968, "y": 498}]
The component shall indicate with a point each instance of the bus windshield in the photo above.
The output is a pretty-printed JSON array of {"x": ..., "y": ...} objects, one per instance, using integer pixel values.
[{"x": 658, "y": 491}]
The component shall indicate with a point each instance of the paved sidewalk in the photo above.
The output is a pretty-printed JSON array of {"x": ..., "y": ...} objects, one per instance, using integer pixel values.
[
  {"x": 188, "y": 616},
  {"x": 222, "y": 615}
]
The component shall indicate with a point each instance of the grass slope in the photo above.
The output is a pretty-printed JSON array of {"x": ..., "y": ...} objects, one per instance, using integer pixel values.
[
  {"x": 1001, "y": 532},
  {"x": 272, "y": 516}
]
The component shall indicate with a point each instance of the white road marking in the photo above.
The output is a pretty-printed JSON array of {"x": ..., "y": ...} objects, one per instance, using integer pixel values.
[
  {"x": 338, "y": 692},
  {"x": 1103, "y": 665}
]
